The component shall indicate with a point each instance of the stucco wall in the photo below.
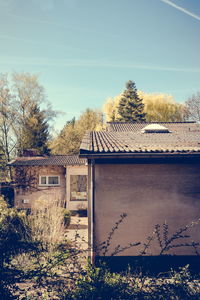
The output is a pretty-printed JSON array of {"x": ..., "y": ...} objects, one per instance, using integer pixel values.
[
  {"x": 149, "y": 194},
  {"x": 39, "y": 193}
]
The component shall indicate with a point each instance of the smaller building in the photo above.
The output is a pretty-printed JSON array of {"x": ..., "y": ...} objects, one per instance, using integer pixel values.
[{"x": 60, "y": 178}]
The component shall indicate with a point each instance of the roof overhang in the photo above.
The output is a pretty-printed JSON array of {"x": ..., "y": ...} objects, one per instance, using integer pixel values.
[{"x": 194, "y": 155}]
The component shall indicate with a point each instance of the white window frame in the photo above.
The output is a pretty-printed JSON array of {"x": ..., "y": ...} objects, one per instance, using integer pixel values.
[{"x": 47, "y": 180}]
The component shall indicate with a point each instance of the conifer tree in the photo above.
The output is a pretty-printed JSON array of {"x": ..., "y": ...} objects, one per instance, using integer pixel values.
[
  {"x": 130, "y": 107},
  {"x": 35, "y": 132}
]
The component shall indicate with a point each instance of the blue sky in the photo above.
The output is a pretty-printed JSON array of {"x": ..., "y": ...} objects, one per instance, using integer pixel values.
[{"x": 85, "y": 50}]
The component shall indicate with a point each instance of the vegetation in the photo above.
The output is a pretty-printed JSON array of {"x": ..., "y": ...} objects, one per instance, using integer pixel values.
[
  {"x": 35, "y": 132},
  {"x": 7, "y": 131},
  {"x": 36, "y": 259},
  {"x": 157, "y": 107},
  {"x": 14, "y": 239},
  {"x": 37, "y": 262},
  {"x": 131, "y": 108},
  {"x": 100, "y": 283},
  {"x": 162, "y": 108},
  {"x": 67, "y": 217},
  {"x": 193, "y": 107},
  {"x": 69, "y": 139},
  {"x": 24, "y": 117},
  {"x": 33, "y": 247}
]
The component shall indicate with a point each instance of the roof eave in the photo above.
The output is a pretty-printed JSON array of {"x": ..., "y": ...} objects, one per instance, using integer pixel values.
[{"x": 90, "y": 155}]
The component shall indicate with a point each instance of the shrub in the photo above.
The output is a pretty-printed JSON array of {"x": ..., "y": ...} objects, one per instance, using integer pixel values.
[
  {"x": 45, "y": 266},
  {"x": 100, "y": 283},
  {"x": 14, "y": 231},
  {"x": 59, "y": 270},
  {"x": 67, "y": 217},
  {"x": 14, "y": 238},
  {"x": 47, "y": 224}
]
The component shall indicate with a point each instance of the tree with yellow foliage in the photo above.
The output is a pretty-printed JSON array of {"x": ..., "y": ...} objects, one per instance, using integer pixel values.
[
  {"x": 69, "y": 139},
  {"x": 158, "y": 108},
  {"x": 162, "y": 108},
  {"x": 110, "y": 108}
]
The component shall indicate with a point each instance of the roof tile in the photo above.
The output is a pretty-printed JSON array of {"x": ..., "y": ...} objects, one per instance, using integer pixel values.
[
  {"x": 129, "y": 138},
  {"x": 53, "y": 160}
]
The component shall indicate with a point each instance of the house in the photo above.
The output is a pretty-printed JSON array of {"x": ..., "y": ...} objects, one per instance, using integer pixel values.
[
  {"x": 151, "y": 172},
  {"x": 57, "y": 177}
]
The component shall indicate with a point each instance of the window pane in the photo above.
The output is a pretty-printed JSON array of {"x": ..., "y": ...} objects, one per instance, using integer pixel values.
[
  {"x": 53, "y": 180},
  {"x": 43, "y": 180},
  {"x": 78, "y": 187}
]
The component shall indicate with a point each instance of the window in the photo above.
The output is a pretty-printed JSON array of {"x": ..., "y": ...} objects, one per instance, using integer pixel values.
[
  {"x": 78, "y": 187},
  {"x": 53, "y": 180},
  {"x": 49, "y": 180},
  {"x": 43, "y": 180}
]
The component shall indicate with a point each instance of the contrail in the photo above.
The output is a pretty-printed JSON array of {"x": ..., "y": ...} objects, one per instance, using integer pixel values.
[{"x": 189, "y": 13}]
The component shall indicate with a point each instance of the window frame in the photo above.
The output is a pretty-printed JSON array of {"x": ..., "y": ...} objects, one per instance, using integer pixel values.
[
  {"x": 47, "y": 180},
  {"x": 78, "y": 199}
]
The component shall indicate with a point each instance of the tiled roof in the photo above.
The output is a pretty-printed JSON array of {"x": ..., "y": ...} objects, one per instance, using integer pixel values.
[
  {"x": 181, "y": 138},
  {"x": 175, "y": 126},
  {"x": 54, "y": 160}
]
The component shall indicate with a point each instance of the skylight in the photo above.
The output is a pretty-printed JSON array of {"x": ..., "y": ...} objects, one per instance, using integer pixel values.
[{"x": 155, "y": 128}]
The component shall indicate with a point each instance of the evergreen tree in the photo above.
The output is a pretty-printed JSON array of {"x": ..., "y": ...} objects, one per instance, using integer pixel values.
[
  {"x": 130, "y": 107},
  {"x": 35, "y": 130}
]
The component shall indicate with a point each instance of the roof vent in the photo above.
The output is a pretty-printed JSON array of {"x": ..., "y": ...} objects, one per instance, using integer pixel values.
[{"x": 155, "y": 128}]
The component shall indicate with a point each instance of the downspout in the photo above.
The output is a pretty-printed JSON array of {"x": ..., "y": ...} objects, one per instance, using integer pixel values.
[
  {"x": 66, "y": 204},
  {"x": 91, "y": 173}
]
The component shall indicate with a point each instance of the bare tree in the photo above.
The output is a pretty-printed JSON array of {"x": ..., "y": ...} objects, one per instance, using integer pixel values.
[
  {"x": 193, "y": 107},
  {"x": 18, "y": 96},
  {"x": 7, "y": 136},
  {"x": 26, "y": 178},
  {"x": 28, "y": 93}
]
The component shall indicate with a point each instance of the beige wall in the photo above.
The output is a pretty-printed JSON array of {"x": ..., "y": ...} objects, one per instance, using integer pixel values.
[
  {"x": 39, "y": 193},
  {"x": 149, "y": 194}
]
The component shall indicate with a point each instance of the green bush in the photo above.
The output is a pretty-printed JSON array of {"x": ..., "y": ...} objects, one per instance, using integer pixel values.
[
  {"x": 101, "y": 284},
  {"x": 14, "y": 231},
  {"x": 57, "y": 269},
  {"x": 67, "y": 217},
  {"x": 14, "y": 238}
]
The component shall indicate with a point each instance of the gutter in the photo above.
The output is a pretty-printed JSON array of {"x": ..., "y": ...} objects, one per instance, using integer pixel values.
[{"x": 140, "y": 155}]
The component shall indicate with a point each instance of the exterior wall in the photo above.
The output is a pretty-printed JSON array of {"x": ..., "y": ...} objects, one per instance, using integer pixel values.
[
  {"x": 38, "y": 193},
  {"x": 75, "y": 170},
  {"x": 150, "y": 194}
]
